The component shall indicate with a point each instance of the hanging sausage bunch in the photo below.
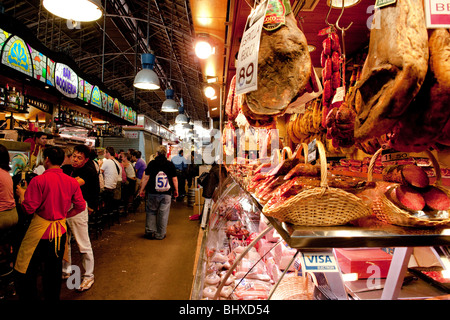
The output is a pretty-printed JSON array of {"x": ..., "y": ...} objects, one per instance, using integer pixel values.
[{"x": 331, "y": 76}]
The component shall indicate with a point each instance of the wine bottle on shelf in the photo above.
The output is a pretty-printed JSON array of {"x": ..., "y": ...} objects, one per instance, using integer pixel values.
[
  {"x": 24, "y": 101},
  {"x": 12, "y": 98},
  {"x": 18, "y": 101},
  {"x": 2, "y": 98}
]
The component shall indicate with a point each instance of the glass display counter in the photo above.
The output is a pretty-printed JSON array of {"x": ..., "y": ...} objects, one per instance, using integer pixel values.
[{"x": 245, "y": 255}]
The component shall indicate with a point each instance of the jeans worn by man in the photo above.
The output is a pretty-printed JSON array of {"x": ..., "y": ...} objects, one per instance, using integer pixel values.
[{"x": 157, "y": 210}]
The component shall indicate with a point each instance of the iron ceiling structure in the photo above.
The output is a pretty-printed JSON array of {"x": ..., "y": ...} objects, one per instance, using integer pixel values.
[{"x": 109, "y": 49}]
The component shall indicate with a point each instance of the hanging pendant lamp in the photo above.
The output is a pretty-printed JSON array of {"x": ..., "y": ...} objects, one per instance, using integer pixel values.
[
  {"x": 76, "y": 10},
  {"x": 181, "y": 118},
  {"x": 169, "y": 105},
  {"x": 147, "y": 79}
]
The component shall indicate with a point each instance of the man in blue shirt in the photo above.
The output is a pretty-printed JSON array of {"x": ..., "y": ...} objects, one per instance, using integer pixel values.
[
  {"x": 139, "y": 167},
  {"x": 181, "y": 166}
]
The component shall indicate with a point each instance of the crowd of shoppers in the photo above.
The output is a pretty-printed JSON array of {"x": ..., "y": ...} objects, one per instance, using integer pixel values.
[{"x": 54, "y": 204}]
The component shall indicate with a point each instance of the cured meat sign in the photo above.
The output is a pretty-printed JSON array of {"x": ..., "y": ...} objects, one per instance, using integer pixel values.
[{"x": 437, "y": 13}]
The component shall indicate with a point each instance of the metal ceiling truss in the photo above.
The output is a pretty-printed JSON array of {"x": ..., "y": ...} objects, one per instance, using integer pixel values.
[{"x": 109, "y": 49}]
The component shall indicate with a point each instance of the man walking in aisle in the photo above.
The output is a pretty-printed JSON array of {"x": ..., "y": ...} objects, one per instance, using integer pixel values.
[
  {"x": 181, "y": 166},
  {"x": 160, "y": 181},
  {"x": 49, "y": 196},
  {"x": 86, "y": 175}
]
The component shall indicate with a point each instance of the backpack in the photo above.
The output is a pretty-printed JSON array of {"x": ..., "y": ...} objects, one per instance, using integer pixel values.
[
  {"x": 162, "y": 182},
  {"x": 101, "y": 179}
]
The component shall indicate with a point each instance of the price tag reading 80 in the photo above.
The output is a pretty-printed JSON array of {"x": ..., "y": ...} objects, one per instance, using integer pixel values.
[{"x": 247, "y": 64}]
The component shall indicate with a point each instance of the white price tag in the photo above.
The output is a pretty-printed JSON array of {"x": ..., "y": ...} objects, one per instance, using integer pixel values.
[
  {"x": 312, "y": 151},
  {"x": 339, "y": 95},
  {"x": 319, "y": 262},
  {"x": 247, "y": 64}
]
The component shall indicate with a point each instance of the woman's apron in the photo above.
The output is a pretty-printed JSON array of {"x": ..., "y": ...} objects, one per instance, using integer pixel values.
[{"x": 37, "y": 228}]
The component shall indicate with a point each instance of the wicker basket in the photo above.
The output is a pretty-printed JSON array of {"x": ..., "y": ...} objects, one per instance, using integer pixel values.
[
  {"x": 320, "y": 206},
  {"x": 295, "y": 288},
  {"x": 388, "y": 212}
]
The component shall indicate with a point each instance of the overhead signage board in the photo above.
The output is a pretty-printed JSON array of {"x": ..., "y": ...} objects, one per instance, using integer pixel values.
[
  {"x": 17, "y": 56},
  {"x": 66, "y": 80},
  {"x": 20, "y": 56},
  {"x": 96, "y": 97}
]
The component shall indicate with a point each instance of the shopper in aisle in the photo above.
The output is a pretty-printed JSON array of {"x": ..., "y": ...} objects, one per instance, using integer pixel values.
[
  {"x": 8, "y": 212},
  {"x": 181, "y": 166},
  {"x": 160, "y": 182},
  {"x": 112, "y": 174},
  {"x": 193, "y": 169},
  {"x": 139, "y": 166},
  {"x": 97, "y": 164},
  {"x": 38, "y": 142},
  {"x": 49, "y": 198},
  {"x": 215, "y": 175},
  {"x": 129, "y": 186},
  {"x": 86, "y": 175}
]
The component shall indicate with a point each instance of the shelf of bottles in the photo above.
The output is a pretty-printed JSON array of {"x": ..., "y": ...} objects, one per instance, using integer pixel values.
[
  {"x": 72, "y": 117},
  {"x": 12, "y": 101},
  {"x": 109, "y": 130}
]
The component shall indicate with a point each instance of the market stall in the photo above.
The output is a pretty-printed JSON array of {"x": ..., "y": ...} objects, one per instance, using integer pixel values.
[{"x": 353, "y": 157}]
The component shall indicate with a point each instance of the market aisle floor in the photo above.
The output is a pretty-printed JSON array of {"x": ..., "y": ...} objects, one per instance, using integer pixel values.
[{"x": 130, "y": 267}]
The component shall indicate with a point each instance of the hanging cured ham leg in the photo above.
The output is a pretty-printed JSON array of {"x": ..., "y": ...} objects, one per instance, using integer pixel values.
[
  {"x": 426, "y": 118},
  {"x": 284, "y": 69},
  {"x": 394, "y": 70}
]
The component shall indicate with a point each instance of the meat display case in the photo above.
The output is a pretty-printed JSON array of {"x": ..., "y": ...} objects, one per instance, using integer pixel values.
[{"x": 305, "y": 239}]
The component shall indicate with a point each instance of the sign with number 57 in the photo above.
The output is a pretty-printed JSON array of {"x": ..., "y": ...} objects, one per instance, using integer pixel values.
[{"x": 247, "y": 64}]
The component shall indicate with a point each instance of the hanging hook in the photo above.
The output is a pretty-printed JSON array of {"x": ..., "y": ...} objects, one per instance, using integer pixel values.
[
  {"x": 328, "y": 14},
  {"x": 337, "y": 22}
]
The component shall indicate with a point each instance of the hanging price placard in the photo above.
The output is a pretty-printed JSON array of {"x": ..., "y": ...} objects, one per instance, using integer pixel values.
[
  {"x": 437, "y": 13},
  {"x": 247, "y": 64}
]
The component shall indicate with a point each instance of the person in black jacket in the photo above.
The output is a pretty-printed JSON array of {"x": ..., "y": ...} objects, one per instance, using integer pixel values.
[{"x": 216, "y": 173}]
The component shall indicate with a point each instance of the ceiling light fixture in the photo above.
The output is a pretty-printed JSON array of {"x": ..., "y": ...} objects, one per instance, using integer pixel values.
[
  {"x": 338, "y": 3},
  {"x": 181, "y": 118},
  {"x": 147, "y": 79},
  {"x": 203, "y": 47},
  {"x": 169, "y": 105},
  {"x": 210, "y": 92},
  {"x": 77, "y": 10}
]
